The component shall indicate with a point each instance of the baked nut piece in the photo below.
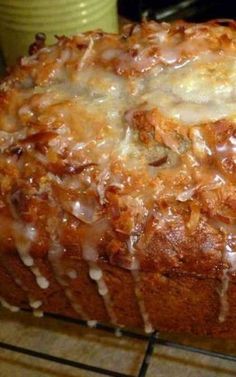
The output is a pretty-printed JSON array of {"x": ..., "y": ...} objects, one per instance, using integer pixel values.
[{"x": 117, "y": 178}]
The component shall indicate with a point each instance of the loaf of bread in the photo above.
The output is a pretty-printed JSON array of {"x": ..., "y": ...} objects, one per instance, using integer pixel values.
[{"x": 117, "y": 178}]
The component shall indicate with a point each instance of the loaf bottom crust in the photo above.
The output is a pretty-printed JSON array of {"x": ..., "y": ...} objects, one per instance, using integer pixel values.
[{"x": 178, "y": 303}]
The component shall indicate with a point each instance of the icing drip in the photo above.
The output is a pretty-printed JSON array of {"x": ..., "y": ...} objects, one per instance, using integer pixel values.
[
  {"x": 8, "y": 306},
  {"x": 73, "y": 300},
  {"x": 24, "y": 235},
  {"x": 136, "y": 276},
  {"x": 92, "y": 324},
  {"x": 96, "y": 274},
  {"x": 230, "y": 258},
  {"x": 35, "y": 304},
  {"x": 38, "y": 313},
  {"x": 42, "y": 282},
  {"x": 72, "y": 274},
  {"x": 224, "y": 305},
  {"x": 55, "y": 254},
  {"x": 118, "y": 333},
  {"x": 90, "y": 254}
]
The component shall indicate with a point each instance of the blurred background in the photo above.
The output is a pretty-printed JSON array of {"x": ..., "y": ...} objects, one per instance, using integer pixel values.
[
  {"x": 168, "y": 10},
  {"x": 20, "y": 20}
]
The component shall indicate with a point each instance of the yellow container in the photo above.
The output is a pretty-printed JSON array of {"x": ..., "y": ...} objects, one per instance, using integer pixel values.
[{"x": 20, "y": 20}]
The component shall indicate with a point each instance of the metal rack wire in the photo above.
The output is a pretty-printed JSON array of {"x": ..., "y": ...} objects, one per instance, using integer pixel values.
[{"x": 152, "y": 341}]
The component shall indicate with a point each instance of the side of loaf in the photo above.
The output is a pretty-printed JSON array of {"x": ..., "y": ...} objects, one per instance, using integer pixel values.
[{"x": 117, "y": 178}]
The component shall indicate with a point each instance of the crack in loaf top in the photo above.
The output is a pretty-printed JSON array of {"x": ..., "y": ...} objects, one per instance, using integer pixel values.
[{"x": 125, "y": 142}]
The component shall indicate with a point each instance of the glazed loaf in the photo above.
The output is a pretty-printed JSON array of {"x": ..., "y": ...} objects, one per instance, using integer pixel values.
[{"x": 117, "y": 178}]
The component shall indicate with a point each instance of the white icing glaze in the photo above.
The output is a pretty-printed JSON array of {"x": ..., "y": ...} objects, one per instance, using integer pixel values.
[
  {"x": 130, "y": 243},
  {"x": 143, "y": 311},
  {"x": 72, "y": 299},
  {"x": 35, "y": 304},
  {"x": 38, "y": 313},
  {"x": 203, "y": 89},
  {"x": 86, "y": 212},
  {"x": 18, "y": 282},
  {"x": 90, "y": 254},
  {"x": 96, "y": 274},
  {"x": 102, "y": 180},
  {"x": 229, "y": 257},
  {"x": 102, "y": 287},
  {"x": 92, "y": 323},
  {"x": 55, "y": 254},
  {"x": 42, "y": 282},
  {"x": 8, "y": 306},
  {"x": 200, "y": 148},
  {"x": 72, "y": 274},
  {"x": 111, "y": 53},
  {"x": 224, "y": 305},
  {"x": 89, "y": 244},
  {"x": 27, "y": 260},
  {"x": 24, "y": 235},
  {"x": 135, "y": 273},
  {"x": 118, "y": 332},
  {"x": 30, "y": 233}
]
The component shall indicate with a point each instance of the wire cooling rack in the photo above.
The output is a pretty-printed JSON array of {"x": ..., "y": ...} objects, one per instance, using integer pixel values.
[{"x": 151, "y": 341}]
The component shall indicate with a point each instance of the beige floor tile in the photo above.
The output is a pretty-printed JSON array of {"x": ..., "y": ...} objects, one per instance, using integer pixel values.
[{"x": 101, "y": 349}]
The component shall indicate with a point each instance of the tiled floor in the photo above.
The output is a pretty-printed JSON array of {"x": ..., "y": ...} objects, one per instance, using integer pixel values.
[{"x": 101, "y": 349}]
